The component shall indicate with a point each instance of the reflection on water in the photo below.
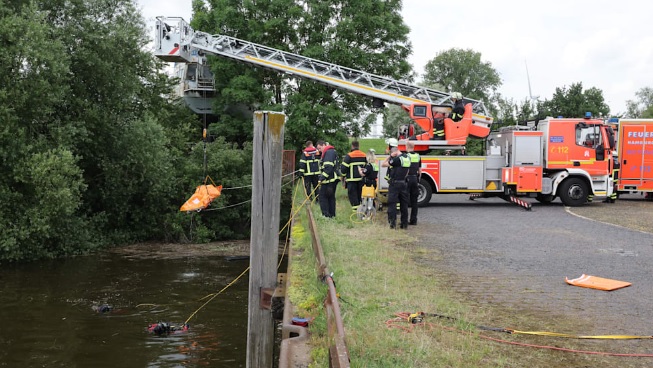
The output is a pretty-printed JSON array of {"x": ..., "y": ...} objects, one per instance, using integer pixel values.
[{"x": 49, "y": 321}]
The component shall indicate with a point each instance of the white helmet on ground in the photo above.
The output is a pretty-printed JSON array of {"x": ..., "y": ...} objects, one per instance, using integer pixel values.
[
  {"x": 392, "y": 142},
  {"x": 456, "y": 96}
]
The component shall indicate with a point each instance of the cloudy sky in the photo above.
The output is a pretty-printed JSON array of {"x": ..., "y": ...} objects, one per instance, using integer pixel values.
[{"x": 603, "y": 44}]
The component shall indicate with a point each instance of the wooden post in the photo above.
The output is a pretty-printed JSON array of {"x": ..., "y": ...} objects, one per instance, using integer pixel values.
[{"x": 266, "y": 198}]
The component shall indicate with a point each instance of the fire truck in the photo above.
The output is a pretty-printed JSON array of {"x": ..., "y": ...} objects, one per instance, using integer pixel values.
[
  {"x": 634, "y": 156},
  {"x": 552, "y": 160}
]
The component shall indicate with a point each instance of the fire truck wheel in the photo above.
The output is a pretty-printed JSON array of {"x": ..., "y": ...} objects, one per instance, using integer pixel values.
[
  {"x": 573, "y": 192},
  {"x": 425, "y": 193}
]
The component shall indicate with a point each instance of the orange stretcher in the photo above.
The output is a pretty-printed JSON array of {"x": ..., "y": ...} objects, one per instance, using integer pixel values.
[
  {"x": 599, "y": 283},
  {"x": 202, "y": 198}
]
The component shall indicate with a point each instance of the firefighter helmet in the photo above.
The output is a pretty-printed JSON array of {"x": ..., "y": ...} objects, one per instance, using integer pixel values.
[
  {"x": 457, "y": 96},
  {"x": 392, "y": 142}
]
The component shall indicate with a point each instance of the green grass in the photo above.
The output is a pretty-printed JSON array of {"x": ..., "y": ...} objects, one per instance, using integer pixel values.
[
  {"x": 377, "y": 143},
  {"x": 380, "y": 273}
]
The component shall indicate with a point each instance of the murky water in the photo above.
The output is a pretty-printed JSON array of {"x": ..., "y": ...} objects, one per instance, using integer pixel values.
[{"x": 48, "y": 319}]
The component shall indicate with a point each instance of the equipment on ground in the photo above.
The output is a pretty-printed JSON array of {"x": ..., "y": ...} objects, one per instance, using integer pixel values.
[
  {"x": 367, "y": 209},
  {"x": 599, "y": 283},
  {"x": 176, "y": 41}
]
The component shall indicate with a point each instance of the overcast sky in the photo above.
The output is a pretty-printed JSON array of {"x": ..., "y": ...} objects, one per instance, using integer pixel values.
[{"x": 603, "y": 44}]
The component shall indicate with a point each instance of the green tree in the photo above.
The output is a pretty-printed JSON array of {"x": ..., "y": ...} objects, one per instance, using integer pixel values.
[
  {"x": 458, "y": 70},
  {"x": 574, "y": 102},
  {"x": 91, "y": 145},
  {"x": 366, "y": 35},
  {"x": 393, "y": 117},
  {"x": 642, "y": 107}
]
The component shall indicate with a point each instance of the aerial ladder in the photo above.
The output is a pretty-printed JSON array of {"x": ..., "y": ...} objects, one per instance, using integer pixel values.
[{"x": 176, "y": 41}]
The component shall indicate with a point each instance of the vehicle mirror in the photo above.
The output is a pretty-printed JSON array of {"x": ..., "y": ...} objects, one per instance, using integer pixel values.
[{"x": 600, "y": 153}]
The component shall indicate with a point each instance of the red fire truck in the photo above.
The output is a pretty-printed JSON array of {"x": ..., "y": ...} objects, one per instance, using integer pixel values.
[{"x": 557, "y": 157}]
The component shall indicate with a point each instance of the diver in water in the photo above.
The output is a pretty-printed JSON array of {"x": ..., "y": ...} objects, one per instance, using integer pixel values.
[{"x": 164, "y": 328}]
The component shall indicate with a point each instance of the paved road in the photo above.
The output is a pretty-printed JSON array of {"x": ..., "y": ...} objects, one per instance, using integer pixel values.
[{"x": 498, "y": 253}]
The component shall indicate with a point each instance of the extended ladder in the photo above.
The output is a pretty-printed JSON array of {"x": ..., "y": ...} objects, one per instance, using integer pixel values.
[{"x": 176, "y": 41}]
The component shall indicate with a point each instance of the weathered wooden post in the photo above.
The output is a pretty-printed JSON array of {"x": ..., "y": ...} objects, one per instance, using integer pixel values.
[{"x": 266, "y": 198}]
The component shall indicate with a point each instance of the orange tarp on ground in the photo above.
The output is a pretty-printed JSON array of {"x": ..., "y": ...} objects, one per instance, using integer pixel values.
[
  {"x": 204, "y": 195},
  {"x": 599, "y": 283}
]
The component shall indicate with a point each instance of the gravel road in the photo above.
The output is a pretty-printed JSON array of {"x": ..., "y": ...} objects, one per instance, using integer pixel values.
[{"x": 497, "y": 253}]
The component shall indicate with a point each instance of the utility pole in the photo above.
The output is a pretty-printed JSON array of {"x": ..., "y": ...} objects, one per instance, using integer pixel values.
[{"x": 264, "y": 243}]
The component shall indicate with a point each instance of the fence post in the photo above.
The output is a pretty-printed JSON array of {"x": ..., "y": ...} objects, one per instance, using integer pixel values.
[{"x": 264, "y": 244}]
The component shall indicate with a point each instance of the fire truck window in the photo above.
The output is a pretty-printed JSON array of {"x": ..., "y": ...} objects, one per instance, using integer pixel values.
[
  {"x": 419, "y": 111},
  {"x": 588, "y": 136}
]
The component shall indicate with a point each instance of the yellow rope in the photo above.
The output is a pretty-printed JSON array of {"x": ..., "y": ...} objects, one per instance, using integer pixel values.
[
  {"x": 215, "y": 295},
  {"x": 571, "y": 336}
]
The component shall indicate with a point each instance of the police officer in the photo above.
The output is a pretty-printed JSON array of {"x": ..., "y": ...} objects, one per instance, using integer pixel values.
[
  {"x": 352, "y": 161},
  {"x": 328, "y": 180},
  {"x": 412, "y": 180},
  {"x": 458, "y": 106},
  {"x": 309, "y": 168},
  {"x": 399, "y": 163}
]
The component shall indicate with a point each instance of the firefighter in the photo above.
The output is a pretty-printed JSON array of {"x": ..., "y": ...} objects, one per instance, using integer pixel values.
[
  {"x": 458, "y": 107},
  {"x": 309, "y": 168},
  {"x": 328, "y": 180},
  {"x": 352, "y": 179},
  {"x": 438, "y": 121},
  {"x": 400, "y": 164},
  {"x": 412, "y": 180}
]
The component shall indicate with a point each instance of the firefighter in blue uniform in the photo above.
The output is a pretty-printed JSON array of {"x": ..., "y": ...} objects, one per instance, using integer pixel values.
[
  {"x": 328, "y": 180},
  {"x": 309, "y": 168},
  {"x": 353, "y": 181}
]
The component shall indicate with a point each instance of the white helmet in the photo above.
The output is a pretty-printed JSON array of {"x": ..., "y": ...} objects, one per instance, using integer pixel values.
[
  {"x": 456, "y": 96},
  {"x": 392, "y": 142}
]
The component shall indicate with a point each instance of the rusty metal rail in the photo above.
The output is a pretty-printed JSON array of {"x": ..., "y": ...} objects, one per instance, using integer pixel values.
[
  {"x": 293, "y": 335},
  {"x": 338, "y": 352}
]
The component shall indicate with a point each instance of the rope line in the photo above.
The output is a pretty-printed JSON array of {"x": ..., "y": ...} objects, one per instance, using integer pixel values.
[
  {"x": 401, "y": 322},
  {"x": 214, "y": 295}
]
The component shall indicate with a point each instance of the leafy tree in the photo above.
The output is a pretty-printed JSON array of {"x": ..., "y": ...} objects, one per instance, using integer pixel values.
[
  {"x": 642, "y": 107},
  {"x": 367, "y": 35},
  {"x": 90, "y": 144},
  {"x": 393, "y": 117},
  {"x": 458, "y": 70},
  {"x": 574, "y": 102}
]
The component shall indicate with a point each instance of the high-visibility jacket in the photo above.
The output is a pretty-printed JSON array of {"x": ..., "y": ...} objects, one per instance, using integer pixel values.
[
  {"x": 458, "y": 111},
  {"x": 415, "y": 163},
  {"x": 350, "y": 164},
  {"x": 328, "y": 165},
  {"x": 400, "y": 166},
  {"x": 309, "y": 164}
]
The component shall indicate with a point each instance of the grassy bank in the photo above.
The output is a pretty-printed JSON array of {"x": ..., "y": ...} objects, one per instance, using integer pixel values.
[{"x": 381, "y": 273}]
